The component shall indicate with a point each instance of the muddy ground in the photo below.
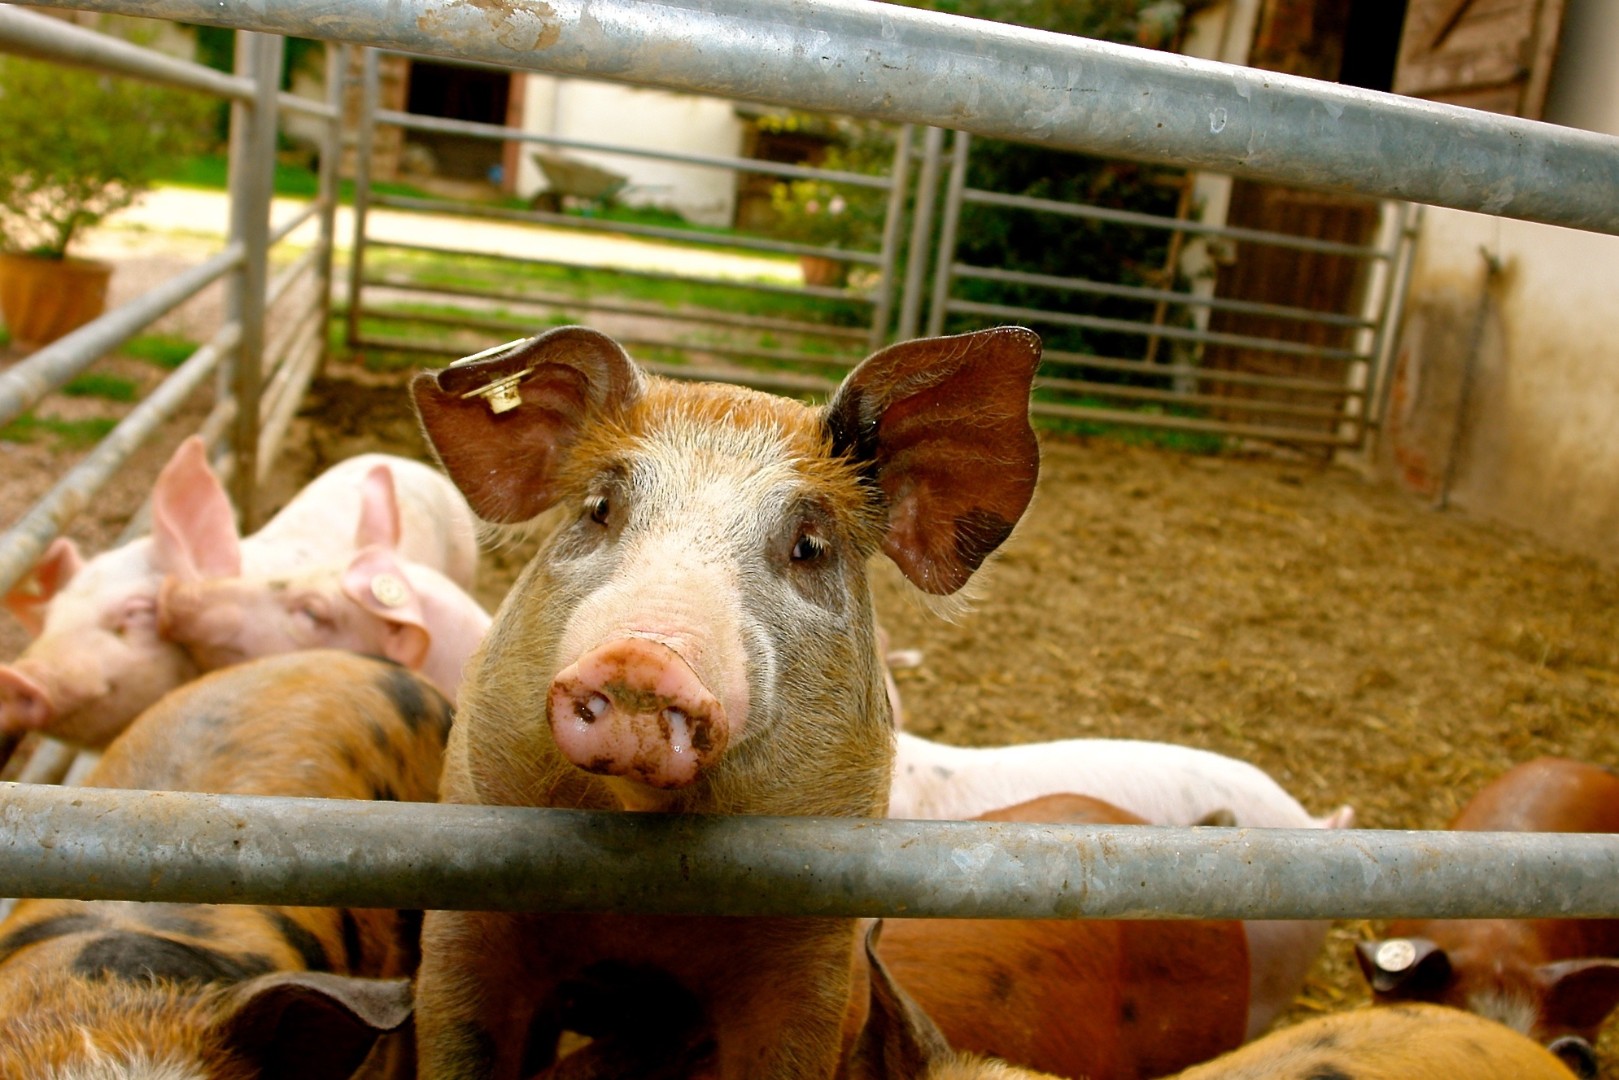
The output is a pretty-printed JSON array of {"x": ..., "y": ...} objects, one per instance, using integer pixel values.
[{"x": 1357, "y": 644}]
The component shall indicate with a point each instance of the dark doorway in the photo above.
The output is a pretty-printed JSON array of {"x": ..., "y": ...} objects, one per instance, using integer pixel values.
[
  {"x": 458, "y": 93},
  {"x": 1372, "y": 43}
]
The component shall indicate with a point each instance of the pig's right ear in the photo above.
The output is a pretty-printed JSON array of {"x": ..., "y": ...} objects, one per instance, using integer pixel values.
[
  {"x": 30, "y": 597},
  {"x": 942, "y": 426},
  {"x": 376, "y": 582},
  {"x": 308, "y": 1025},
  {"x": 193, "y": 526},
  {"x": 502, "y": 424}
]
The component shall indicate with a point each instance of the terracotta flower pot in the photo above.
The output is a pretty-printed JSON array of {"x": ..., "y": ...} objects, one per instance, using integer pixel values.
[
  {"x": 42, "y": 299},
  {"x": 819, "y": 270}
]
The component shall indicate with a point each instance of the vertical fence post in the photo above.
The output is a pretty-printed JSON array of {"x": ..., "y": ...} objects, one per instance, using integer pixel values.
[
  {"x": 953, "y": 198},
  {"x": 899, "y": 182},
  {"x": 331, "y": 158},
  {"x": 252, "y": 167},
  {"x": 364, "y": 139},
  {"x": 916, "y": 264}
]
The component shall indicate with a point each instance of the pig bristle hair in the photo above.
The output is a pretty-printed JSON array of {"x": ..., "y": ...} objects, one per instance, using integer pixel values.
[
  {"x": 1503, "y": 1006},
  {"x": 106, "y": 1030},
  {"x": 968, "y": 1067}
]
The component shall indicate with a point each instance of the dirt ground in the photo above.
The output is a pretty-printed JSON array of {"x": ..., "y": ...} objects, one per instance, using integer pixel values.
[{"x": 1360, "y": 646}]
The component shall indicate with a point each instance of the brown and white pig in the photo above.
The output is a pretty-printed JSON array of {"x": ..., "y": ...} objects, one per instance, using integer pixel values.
[
  {"x": 1104, "y": 999},
  {"x": 695, "y": 636},
  {"x": 1413, "y": 1041},
  {"x": 110, "y": 990},
  {"x": 1556, "y": 980},
  {"x": 1108, "y": 999},
  {"x": 97, "y": 658},
  {"x": 377, "y": 603},
  {"x": 1164, "y": 783}
]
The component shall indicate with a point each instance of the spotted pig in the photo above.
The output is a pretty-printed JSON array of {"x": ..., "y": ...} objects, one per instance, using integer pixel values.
[{"x": 105, "y": 990}]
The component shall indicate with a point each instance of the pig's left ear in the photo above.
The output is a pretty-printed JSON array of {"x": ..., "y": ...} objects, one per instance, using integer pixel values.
[
  {"x": 942, "y": 424},
  {"x": 30, "y": 597},
  {"x": 377, "y": 583},
  {"x": 502, "y": 424},
  {"x": 193, "y": 526},
  {"x": 379, "y": 509},
  {"x": 308, "y": 1025}
]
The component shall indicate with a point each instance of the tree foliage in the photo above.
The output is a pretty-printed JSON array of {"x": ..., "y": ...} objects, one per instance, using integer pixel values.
[{"x": 76, "y": 145}]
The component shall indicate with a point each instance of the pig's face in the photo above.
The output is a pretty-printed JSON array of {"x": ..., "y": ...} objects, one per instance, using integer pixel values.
[
  {"x": 697, "y": 630},
  {"x": 99, "y": 659},
  {"x": 223, "y": 621},
  {"x": 714, "y": 540}
]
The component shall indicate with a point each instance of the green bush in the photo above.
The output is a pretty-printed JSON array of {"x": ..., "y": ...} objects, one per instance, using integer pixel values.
[{"x": 76, "y": 146}]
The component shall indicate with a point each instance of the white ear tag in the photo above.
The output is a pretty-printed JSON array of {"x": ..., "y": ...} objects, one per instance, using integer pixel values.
[{"x": 389, "y": 590}]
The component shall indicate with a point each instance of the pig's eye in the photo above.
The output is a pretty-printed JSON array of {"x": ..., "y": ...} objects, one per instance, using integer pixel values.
[
  {"x": 808, "y": 548},
  {"x": 138, "y": 614},
  {"x": 315, "y": 613},
  {"x": 599, "y": 508}
]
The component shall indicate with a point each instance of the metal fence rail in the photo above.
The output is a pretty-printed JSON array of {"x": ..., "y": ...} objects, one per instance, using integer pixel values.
[
  {"x": 907, "y": 66},
  {"x": 922, "y": 67},
  {"x": 105, "y": 844},
  {"x": 719, "y": 338}
]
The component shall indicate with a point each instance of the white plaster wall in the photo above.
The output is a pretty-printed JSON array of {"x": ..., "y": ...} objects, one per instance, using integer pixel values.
[
  {"x": 1539, "y": 443},
  {"x": 647, "y": 119}
]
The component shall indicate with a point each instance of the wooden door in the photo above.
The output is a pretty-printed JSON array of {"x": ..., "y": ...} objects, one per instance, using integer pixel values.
[{"x": 1494, "y": 55}]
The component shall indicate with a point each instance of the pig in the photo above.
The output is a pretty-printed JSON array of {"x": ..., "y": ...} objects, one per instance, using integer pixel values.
[
  {"x": 1555, "y": 980},
  {"x": 1164, "y": 783},
  {"x": 97, "y": 658},
  {"x": 1105, "y": 999},
  {"x": 377, "y": 603},
  {"x": 231, "y": 992},
  {"x": 695, "y": 635},
  {"x": 1413, "y": 1041},
  {"x": 1102, "y": 999}
]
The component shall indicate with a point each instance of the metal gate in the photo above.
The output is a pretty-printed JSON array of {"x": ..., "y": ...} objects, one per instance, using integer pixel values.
[{"x": 929, "y": 69}]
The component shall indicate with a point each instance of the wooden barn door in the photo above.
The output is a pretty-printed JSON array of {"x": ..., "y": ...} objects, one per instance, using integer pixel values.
[{"x": 1494, "y": 55}]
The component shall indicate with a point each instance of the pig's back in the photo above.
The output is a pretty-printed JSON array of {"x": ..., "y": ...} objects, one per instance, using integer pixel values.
[
  {"x": 317, "y": 723},
  {"x": 1163, "y": 783}
]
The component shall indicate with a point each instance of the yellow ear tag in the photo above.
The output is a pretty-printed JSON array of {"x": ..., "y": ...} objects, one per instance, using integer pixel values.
[{"x": 501, "y": 394}]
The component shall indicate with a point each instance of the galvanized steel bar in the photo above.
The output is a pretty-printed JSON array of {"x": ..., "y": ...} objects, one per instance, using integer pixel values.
[
  {"x": 954, "y": 193},
  {"x": 1170, "y": 224},
  {"x": 856, "y": 57},
  {"x": 31, "y": 379},
  {"x": 1122, "y": 326},
  {"x": 894, "y": 213},
  {"x": 45, "y": 38},
  {"x": 364, "y": 147},
  {"x": 916, "y": 267},
  {"x": 1126, "y": 418},
  {"x": 183, "y": 847},
  {"x": 478, "y": 129},
  {"x": 252, "y": 150},
  {"x": 23, "y": 543},
  {"x": 624, "y": 228},
  {"x": 1168, "y": 296}
]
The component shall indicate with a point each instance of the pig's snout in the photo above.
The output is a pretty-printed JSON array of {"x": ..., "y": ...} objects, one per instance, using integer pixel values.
[
  {"x": 634, "y": 708},
  {"x": 25, "y": 705}
]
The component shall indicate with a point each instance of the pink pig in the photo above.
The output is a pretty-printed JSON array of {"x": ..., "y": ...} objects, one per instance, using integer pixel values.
[
  {"x": 377, "y": 603},
  {"x": 97, "y": 659}
]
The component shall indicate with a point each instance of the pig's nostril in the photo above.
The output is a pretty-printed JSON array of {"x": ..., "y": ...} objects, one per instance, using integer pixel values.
[
  {"x": 679, "y": 730},
  {"x": 591, "y": 709}
]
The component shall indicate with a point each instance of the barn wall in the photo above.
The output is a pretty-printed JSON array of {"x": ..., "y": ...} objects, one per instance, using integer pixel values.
[
  {"x": 1533, "y": 310},
  {"x": 651, "y": 119}
]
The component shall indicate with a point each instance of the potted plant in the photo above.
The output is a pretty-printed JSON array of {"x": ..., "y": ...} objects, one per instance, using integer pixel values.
[
  {"x": 74, "y": 147},
  {"x": 817, "y": 212}
]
